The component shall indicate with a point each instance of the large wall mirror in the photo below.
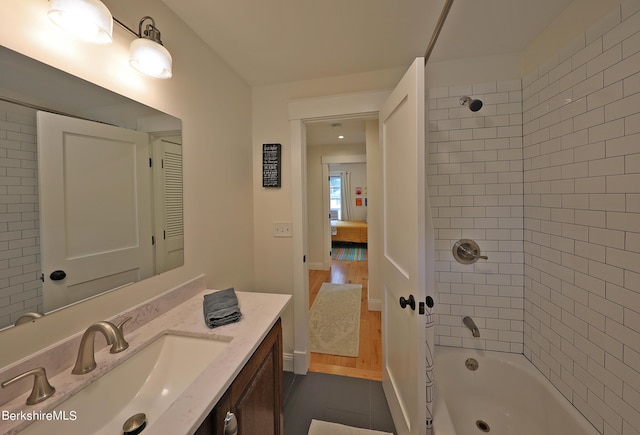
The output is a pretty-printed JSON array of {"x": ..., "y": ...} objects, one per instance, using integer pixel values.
[{"x": 90, "y": 190}]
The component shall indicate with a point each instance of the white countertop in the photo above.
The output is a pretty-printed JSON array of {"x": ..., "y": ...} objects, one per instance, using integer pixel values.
[{"x": 260, "y": 312}]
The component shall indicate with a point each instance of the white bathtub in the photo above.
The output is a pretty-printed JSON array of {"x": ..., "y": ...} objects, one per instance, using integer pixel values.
[{"x": 506, "y": 394}]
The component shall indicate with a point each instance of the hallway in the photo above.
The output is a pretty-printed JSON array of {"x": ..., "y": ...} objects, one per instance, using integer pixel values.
[{"x": 368, "y": 363}]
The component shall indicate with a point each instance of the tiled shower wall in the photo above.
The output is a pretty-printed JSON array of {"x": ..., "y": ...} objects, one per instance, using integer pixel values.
[
  {"x": 475, "y": 187},
  {"x": 582, "y": 220},
  {"x": 20, "y": 288}
]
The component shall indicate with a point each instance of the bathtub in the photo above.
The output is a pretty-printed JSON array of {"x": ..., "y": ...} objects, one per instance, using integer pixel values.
[{"x": 506, "y": 395}]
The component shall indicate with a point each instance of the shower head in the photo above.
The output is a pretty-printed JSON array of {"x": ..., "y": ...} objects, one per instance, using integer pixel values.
[{"x": 473, "y": 105}]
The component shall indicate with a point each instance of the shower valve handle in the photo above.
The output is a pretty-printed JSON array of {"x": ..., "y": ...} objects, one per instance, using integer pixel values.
[{"x": 410, "y": 302}]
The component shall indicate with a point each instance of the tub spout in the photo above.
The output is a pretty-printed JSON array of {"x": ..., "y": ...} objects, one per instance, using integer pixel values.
[{"x": 469, "y": 323}]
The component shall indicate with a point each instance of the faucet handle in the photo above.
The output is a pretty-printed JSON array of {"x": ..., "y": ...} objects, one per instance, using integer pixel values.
[
  {"x": 120, "y": 325},
  {"x": 120, "y": 342},
  {"x": 41, "y": 390}
]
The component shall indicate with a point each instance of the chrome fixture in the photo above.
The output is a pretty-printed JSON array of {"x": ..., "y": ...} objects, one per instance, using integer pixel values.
[
  {"x": 147, "y": 54},
  {"x": 85, "y": 19},
  {"x": 469, "y": 323},
  {"x": 135, "y": 424},
  {"x": 92, "y": 21},
  {"x": 86, "y": 360},
  {"x": 27, "y": 317},
  {"x": 41, "y": 390},
  {"x": 230, "y": 424},
  {"x": 473, "y": 105},
  {"x": 467, "y": 251},
  {"x": 471, "y": 364}
]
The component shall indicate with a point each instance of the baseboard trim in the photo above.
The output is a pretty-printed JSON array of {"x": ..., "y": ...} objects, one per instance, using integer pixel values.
[
  {"x": 317, "y": 266},
  {"x": 375, "y": 304},
  {"x": 287, "y": 362},
  {"x": 300, "y": 362}
]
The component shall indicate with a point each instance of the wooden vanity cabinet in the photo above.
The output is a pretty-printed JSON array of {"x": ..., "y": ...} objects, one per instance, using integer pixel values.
[{"x": 255, "y": 396}]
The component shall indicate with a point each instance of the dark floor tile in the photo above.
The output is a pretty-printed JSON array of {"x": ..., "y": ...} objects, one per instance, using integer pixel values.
[{"x": 350, "y": 401}]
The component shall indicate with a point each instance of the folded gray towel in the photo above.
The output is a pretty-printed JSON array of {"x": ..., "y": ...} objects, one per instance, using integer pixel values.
[{"x": 221, "y": 308}]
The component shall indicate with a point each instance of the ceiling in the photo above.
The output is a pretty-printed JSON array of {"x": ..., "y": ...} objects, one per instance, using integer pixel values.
[
  {"x": 277, "y": 41},
  {"x": 327, "y": 133}
]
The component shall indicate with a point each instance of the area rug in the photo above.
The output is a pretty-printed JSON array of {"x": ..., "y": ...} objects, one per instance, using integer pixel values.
[
  {"x": 349, "y": 253},
  {"x": 334, "y": 320},
  {"x": 319, "y": 427}
]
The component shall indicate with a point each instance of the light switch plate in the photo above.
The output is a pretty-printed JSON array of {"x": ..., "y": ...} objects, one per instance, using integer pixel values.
[{"x": 282, "y": 229}]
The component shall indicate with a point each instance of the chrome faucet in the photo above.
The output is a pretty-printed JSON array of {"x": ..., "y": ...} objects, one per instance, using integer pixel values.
[
  {"x": 41, "y": 390},
  {"x": 86, "y": 360},
  {"x": 469, "y": 323}
]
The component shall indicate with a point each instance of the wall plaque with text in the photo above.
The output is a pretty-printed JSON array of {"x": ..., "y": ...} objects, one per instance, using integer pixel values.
[{"x": 271, "y": 164}]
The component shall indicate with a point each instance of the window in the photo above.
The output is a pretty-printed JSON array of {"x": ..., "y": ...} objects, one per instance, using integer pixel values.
[{"x": 335, "y": 196}]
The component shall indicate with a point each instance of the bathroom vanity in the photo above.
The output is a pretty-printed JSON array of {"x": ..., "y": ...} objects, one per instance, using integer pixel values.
[
  {"x": 253, "y": 402},
  {"x": 192, "y": 379}
]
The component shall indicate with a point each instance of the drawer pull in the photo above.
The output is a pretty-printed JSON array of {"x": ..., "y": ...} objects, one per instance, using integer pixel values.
[{"x": 230, "y": 424}]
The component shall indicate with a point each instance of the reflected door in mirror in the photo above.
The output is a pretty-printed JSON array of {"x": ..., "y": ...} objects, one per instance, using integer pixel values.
[{"x": 95, "y": 207}]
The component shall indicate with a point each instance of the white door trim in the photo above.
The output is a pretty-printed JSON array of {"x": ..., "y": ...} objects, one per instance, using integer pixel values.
[
  {"x": 356, "y": 158},
  {"x": 301, "y": 111}
]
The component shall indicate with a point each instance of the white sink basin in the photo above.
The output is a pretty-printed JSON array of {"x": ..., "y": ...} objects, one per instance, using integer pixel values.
[{"x": 148, "y": 382}]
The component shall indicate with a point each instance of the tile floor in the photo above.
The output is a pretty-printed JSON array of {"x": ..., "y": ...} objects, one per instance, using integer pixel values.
[{"x": 339, "y": 399}]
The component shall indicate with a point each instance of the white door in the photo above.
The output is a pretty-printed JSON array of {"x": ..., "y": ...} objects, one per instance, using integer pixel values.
[
  {"x": 167, "y": 188},
  {"x": 404, "y": 253},
  {"x": 95, "y": 208}
]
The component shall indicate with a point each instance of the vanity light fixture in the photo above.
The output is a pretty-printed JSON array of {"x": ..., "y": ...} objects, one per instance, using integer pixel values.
[
  {"x": 86, "y": 19},
  {"x": 147, "y": 54}
]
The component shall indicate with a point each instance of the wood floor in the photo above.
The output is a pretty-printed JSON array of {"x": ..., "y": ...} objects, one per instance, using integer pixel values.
[{"x": 368, "y": 363}]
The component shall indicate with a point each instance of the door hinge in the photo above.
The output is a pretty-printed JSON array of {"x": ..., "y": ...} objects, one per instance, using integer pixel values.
[
  {"x": 42, "y": 277},
  {"x": 164, "y": 235},
  {"x": 153, "y": 240},
  {"x": 150, "y": 162}
]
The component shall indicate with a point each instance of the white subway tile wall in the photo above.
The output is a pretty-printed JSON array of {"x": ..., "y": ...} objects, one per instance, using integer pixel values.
[
  {"x": 475, "y": 178},
  {"x": 581, "y": 150},
  {"x": 20, "y": 286}
]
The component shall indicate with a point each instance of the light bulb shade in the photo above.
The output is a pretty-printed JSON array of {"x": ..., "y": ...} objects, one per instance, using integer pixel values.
[
  {"x": 89, "y": 20},
  {"x": 150, "y": 58}
]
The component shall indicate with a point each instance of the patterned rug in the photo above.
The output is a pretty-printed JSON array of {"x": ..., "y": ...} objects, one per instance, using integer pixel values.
[
  {"x": 349, "y": 253},
  {"x": 334, "y": 320},
  {"x": 319, "y": 427}
]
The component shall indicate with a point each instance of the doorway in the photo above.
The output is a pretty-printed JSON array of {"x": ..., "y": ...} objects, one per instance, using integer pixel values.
[
  {"x": 403, "y": 228},
  {"x": 301, "y": 114},
  {"x": 337, "y": 210}
]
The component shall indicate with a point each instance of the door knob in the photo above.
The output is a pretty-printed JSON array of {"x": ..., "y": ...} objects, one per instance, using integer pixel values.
[
  {"x": 58, "y": 275},
  {"x": 230, "y": 424},
  {"x": 410, "y": 302}
]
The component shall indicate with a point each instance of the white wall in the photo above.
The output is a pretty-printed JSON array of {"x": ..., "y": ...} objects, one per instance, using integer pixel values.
[
  {"x": 582, "y": 219},
  {"x": 273, "y": 256},
  {"x": 571, "y": 23},
  {"x": 374, "y": 210},
  {"x": 215, "y": 107}
]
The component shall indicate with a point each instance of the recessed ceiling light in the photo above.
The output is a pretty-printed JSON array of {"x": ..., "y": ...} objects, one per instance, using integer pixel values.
[{"x": 341, "y": 137}]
